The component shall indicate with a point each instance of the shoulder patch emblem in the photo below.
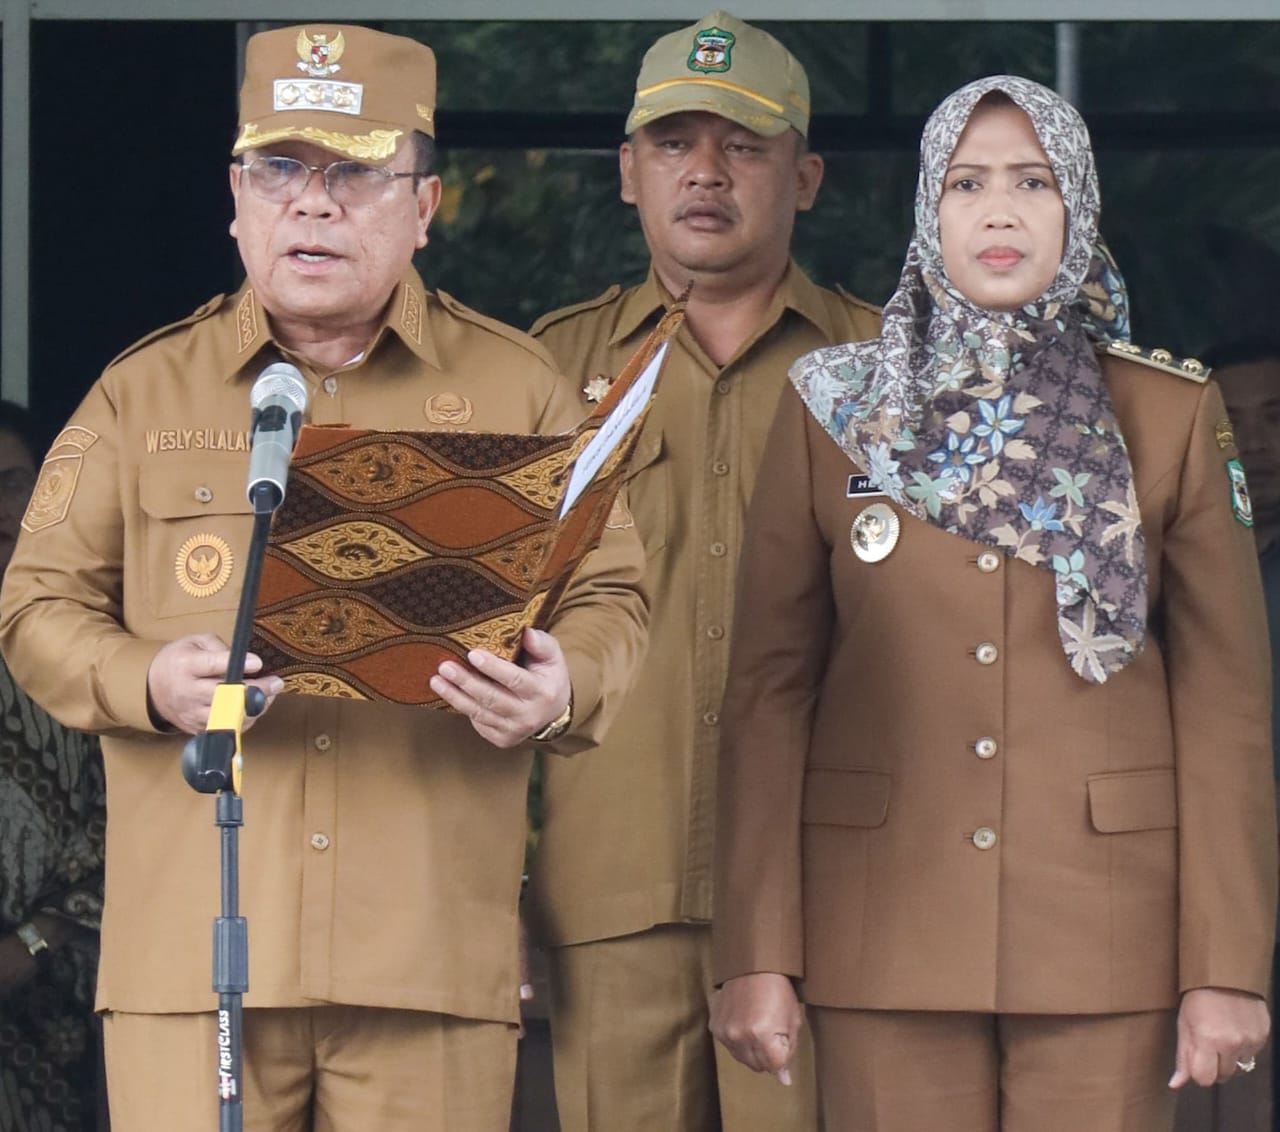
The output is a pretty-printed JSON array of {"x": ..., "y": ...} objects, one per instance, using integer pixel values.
[
  {"x": 54, "y": 490},
  {"x": 203, "y": 565},
  {"x": 76, "y": 437},
  {"x": 1241, "y": 504},
  {"x": 1191, "y": 368},
  {"x": 448, "y": 408}
]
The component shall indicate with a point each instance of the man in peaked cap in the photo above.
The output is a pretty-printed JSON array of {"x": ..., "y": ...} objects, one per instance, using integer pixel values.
[
  {"x": 383, "y": 845},
  {"x": 717, "y": 165}
]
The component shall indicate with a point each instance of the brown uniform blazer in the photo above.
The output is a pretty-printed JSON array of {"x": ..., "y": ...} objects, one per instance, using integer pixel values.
[
  {"x": 382, "y": 847},
  {"x": 904, "y": 826}
]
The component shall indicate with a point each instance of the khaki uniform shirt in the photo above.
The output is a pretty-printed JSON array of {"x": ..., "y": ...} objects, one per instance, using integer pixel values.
[
  {"x": 923, "y": 807},
  {"x": 382, "y": 847},
  {"x": 627, "y": 836}
]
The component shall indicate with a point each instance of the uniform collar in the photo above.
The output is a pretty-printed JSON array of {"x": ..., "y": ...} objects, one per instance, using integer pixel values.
[
  {"x": 405, "y": 318},
  {"x": 796, "y": 292}
]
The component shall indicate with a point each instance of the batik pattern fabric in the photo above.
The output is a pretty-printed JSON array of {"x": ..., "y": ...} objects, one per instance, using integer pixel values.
[
  {"x": 52, "y": 829},
  {"x": 997, "y": 426}
]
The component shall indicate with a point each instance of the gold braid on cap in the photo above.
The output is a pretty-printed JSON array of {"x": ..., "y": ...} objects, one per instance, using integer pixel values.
[{"x": 377, "y": 145}]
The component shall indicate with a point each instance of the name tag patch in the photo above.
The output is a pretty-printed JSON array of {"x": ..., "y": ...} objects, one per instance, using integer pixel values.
[{"x": 860, "y": 484}]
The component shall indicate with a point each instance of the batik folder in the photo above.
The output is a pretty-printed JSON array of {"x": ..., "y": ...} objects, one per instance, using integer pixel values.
[{"x": 393, "y": 551}]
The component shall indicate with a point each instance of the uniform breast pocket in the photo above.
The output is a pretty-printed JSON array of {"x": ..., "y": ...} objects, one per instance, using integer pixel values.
[
  {"x": 198, "y": 523},
  {"x": 836, "y": 796},
  {"x": 649, "y": 491}
]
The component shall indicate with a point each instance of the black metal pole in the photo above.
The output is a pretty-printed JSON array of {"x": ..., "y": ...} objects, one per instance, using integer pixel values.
[{"x": 211, "y": 764}]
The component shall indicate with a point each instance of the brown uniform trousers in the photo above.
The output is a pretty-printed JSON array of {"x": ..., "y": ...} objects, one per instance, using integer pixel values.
[
  {"x": 1102, "y": 849},
  {"x": 622, "y": 877},
  {"x": 383, "y": 845}
]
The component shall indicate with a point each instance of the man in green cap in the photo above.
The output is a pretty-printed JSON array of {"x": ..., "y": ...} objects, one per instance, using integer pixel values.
[
  {"x": 717, "y": 164},
  {"x": 383, "y": 844}
]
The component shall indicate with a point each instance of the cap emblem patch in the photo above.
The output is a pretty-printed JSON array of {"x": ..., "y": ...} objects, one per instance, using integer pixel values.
[
  {"x": 712, "y": 51},
  {"x": 318, "y": 57}
]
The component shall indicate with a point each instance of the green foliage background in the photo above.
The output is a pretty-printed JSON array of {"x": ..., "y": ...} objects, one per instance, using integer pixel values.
[{"x": 1196, "y": 230}]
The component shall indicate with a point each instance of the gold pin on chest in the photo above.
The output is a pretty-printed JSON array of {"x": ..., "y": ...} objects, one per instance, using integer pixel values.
[{"x": 875, "y": 532}]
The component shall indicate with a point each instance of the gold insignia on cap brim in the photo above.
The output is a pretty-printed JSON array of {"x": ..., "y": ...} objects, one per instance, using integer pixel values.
[
  {"x": 203, "y": 565},
  {"x": 448, "y": 409},
  {"x": 54, "y": 490},
  {"x": 376, "y": 145},
  {"x": 875, "y": 532}
]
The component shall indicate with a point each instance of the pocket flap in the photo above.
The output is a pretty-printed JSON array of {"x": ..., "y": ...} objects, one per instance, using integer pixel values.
[
  {"x": 648, "y": 449},
  {"x": 1133, "y": 799},
  {"x": 181, "y": 489},
  {"x": 846, "y": 797}
]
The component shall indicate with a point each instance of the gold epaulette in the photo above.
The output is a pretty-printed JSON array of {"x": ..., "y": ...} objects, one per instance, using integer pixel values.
[
  {"x": 494, "y": 326},
  {"x": 1191, "y": 368},
  {"x": 853, "y": 299},
  {"x": 203, "y": 311},
  {"x": 552, "y": 317}
]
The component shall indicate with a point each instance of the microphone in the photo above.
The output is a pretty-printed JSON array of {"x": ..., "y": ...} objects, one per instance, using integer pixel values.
[{"x": 279, "y": 398}]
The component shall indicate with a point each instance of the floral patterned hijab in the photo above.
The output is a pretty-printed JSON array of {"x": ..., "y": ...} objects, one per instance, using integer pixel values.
[{"x": 997, "y": 425}]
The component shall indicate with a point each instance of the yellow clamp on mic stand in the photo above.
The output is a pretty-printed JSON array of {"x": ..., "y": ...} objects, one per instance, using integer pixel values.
[{"x": 227, "y": 713}]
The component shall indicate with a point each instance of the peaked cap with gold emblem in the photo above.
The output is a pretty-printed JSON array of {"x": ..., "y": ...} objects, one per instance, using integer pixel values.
[
  {"x": 722, "y": 65},
  {"x": 351, "y": 90}
]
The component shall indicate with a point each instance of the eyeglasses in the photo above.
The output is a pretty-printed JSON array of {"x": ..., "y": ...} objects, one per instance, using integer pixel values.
[{"x": 348, "y": 183}]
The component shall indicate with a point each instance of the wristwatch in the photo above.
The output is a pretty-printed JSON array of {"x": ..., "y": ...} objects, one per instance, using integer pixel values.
[
  {"x": 557, "y": 726},
  {"x": 36, "y": 943}
]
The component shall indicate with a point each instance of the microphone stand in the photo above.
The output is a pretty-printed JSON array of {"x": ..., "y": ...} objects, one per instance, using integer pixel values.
[{"x": 212, "y": 764}]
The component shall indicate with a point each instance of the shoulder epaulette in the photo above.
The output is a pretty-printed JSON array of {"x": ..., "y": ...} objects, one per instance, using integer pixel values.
[
  {"x": 203, "y": 311},
  {"x": 853, "y": 299},
  {"x": 494, "y": 326},
  {"x": 1191, "y": 368},
  {"x": 552, "y": 317}
]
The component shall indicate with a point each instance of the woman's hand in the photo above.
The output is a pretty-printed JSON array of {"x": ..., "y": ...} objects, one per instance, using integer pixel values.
[{"x": 1217, "y": 1029}]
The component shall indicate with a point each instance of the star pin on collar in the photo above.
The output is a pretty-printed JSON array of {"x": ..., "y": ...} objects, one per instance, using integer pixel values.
[{"x": 597, "y": 388}]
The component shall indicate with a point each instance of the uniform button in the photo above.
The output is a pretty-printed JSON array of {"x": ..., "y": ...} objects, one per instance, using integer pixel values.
[
  {"x": 321, "y": 842},
  {"x": 720, "y": 468},
  {"x": 984, "y": 838},
  {"x": 718, "y": 550},
  {"x": 331, "y": 385},
  {"x": 203, "y": 494},
  {"x": 723, "y": 386},
  {"x": 323, "y": 742},
  {"x": 988, "y": 562},
  {"x": 986, "y": 653},
  {"x": 985, "y": 748},
  {"x": 715, "y": 632},
  {"x": 710, "y": 718}
]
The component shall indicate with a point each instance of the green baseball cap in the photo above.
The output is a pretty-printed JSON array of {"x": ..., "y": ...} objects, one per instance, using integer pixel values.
[{"x": 723, "y": 66}]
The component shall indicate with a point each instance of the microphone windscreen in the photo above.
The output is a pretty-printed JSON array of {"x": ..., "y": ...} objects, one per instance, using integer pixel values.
[{"x": 280, "y": 381}]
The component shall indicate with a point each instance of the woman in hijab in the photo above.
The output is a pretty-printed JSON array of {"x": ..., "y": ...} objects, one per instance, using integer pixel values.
[{"x": 995, "y": 772}]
